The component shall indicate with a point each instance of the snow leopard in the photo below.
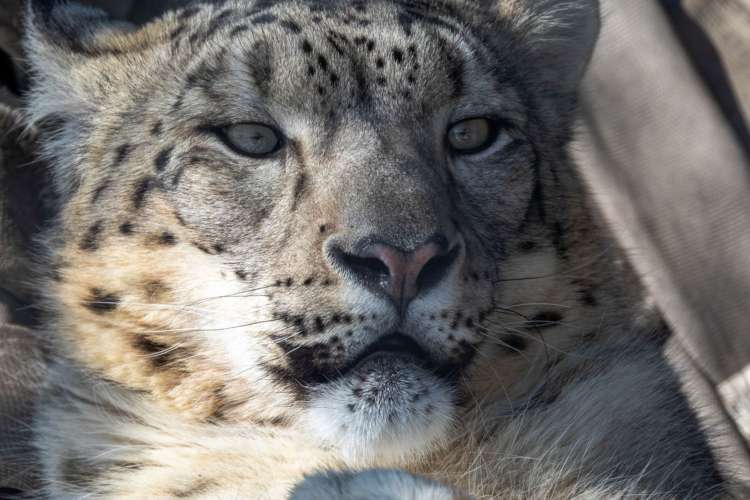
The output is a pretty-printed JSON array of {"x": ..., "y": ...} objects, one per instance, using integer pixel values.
[{"x": 339, "y": 249}]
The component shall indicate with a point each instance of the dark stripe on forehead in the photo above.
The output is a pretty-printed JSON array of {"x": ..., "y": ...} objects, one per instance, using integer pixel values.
[
  {"x": 260, "y": 64},
  {"x": 299, "y": 190},
  {"x": 444, "y": 18},
  {"x": 219, "y": 21}
]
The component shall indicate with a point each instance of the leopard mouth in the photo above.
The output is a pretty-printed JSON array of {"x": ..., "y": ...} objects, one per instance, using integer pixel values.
[
  {"x": 401, "y": 348},
  {"x": 392, "y": 351},
  {"x": 395, "y": 344}
]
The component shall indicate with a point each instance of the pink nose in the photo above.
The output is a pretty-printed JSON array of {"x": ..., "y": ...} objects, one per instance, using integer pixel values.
[
  {"x": 404, "y": 269},
  {"x": 399, "y": 274}
]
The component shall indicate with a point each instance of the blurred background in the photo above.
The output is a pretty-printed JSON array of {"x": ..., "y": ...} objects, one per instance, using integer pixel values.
[{"x": 664, "y": 146}]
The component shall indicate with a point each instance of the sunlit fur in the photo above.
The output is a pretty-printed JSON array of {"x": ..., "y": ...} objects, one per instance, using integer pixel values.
[{"x": 206, "y": 340}]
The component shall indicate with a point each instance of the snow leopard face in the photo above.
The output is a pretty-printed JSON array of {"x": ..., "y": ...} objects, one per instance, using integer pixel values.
[{"x": 344, "y": 216}]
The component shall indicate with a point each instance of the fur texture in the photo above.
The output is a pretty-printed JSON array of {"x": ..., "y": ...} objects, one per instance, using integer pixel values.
[{"x": 215, "y": 336}]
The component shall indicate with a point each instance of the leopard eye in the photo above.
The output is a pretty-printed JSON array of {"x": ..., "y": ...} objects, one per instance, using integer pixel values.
[
  {"x": 472, "y": 136},
  {"x": 252, "y": 139}
]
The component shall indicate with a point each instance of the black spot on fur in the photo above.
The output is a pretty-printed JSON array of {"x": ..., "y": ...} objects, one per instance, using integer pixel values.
[
  {"x": 237, "y": 30},
  {"x": 188, "y": 13},
  {"x": 456, "y": 76},
  {"x": 143, "y": 187},
  {"x": 195, "y": 38},
  {"x": 100, "y": 190},
  {"x": 306, "y": 47},
  {"x": 319, "y": 325},
  {"x": 291, "y": 26},
  {"x": 264, "y": 19},
  {"x": 514, "y": 343},
  {"x": 167, "y": 238},
  {"x": 126, "y": 228},
  {"x": 162, "y": 159},
  {"x": 160, "y": 355},
  {"x": 322, "y": 62},
  {"x": 90, "y": 241},
  {"x": 202, "y": 248},
  {"x": 545, "y": 319},
  {"x": 218, "y": 22},
  {"x": 177, "y": 104},
  {"x": 336, "y": 43},
  {"x": 177, "y": 32},
  {"x": 241, "y": 274},
  {"x": 121, "y": 154},
  {"x": 101, "y": 302},
  {"x": 398, "y": 55},
  {"x": 156, "y": 129}
]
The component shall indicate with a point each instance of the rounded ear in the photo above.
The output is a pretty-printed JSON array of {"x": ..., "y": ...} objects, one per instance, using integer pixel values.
[
  {"x": 561, "y": 35},
  {"x": 60, "y": 39},
  {"x": 72, "y": 54},
  {"x": 53, "y": 46}
]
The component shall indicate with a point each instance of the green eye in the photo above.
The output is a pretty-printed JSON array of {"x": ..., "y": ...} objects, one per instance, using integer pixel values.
[
  {"x": 252, "y": 139},
  {"x": 472, "y": 135}
]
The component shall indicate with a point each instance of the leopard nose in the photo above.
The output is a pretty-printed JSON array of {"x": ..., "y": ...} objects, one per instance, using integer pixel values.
[{"x": 401, "y": 275}]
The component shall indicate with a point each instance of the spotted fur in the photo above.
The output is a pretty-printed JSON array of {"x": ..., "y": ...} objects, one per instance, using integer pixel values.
[{"x": 210, "y": 341}]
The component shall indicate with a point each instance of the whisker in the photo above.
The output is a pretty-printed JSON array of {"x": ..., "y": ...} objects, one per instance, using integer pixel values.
[{"x": 200, "y": 330}]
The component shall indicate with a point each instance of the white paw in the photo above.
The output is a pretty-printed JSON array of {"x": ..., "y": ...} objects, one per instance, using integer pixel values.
[{"x": 372, "y": 485}]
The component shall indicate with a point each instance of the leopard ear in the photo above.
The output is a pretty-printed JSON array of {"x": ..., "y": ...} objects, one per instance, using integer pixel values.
[
  {"x": 560, "y": 35},
  {"x": 61, "y": 39},
  {"x": 67, "y": 48}
]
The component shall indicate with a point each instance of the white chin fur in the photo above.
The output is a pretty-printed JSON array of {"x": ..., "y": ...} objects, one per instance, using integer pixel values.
[{"x": 382, "y": 413}]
